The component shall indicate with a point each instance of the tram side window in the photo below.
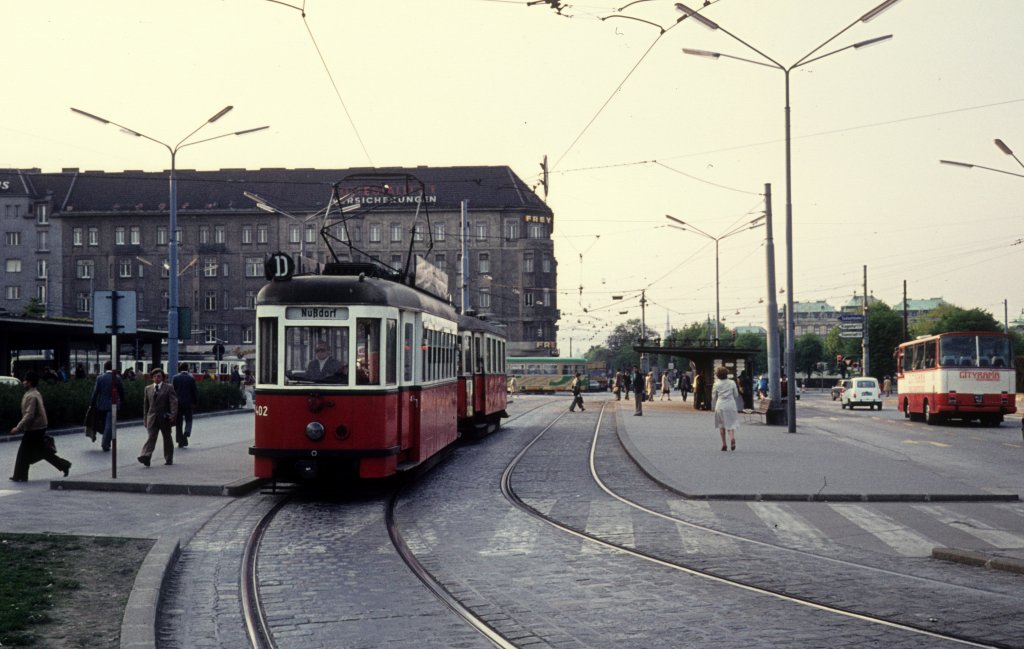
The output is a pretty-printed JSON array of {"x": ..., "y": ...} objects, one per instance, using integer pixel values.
[
  {"x": 268, "y": 350},
  {"x": 392, "y": 355},
  {"x": 367, "y": 351},
  {"x": 407, "y": 354},
  {"x": 316, "y": 355}
]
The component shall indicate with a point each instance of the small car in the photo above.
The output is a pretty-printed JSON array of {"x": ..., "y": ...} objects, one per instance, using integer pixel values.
[
  {"x": 10, "y": 380},
  {"x": 861, "y": 391},
  {"x": 837, "y": 390}
]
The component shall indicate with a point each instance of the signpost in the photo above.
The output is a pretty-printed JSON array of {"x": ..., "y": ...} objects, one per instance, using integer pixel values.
[{"x": 113, "y": 313}]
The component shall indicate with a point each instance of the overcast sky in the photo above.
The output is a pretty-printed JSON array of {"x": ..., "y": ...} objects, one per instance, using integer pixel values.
[{"x": 633, "y": 128}]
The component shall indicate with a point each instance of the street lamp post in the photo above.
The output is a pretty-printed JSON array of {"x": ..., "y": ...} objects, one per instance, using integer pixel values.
[
  {"x": 1002, "y": 147},
  {"x": 806, "y": 59},
  {"x": 172, "y": 242},
  {"x": 689, "y": 227}
]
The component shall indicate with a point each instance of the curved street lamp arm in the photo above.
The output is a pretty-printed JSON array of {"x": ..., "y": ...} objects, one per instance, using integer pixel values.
[
  {"x": 217, "y": 137},
  {"x": 863, "y": 19},
  {"x": 855, "y": 46},
  {"x": 221, "y": 113},
  {"x": 125, "y": 129},
  {"x": 974, "y": 166}
]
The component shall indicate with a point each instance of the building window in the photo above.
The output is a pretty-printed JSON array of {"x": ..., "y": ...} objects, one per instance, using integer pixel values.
[
  {"x": 250, "y": 300},
  {"x": 13, "y": 266},
  {"x": 485, "y": 262},
  {"x": 76, "y": 237},
  {"x": 247, "y": 234},
  {"x": 165, "y": 269},
  {"x": 530, "y": 301},
  {"x": 396, "y": 261},
  {"x": 261, "y": 234},
  {"x": 85, "y": 269},
  {"x": 439, "y": 231},
  {"x": 485, "y": 298},
  {"x": 511, "y": 229},
  {"x": 536, "y": 231},
  {"x": 396, "y": 232},
  {"x": 545, "y": 263},
  {"x": 375, "y": 233},
  {"x": 42, "y": 215},
  {"x": 13, "y": 292},
  {"x": 253, "y": 266},
  {"x": 12, "y": 238},
  {"x": 481, "y": 231},
  {"x": 42, "y": 269},
  {"x": 417, "y": 232},
  {"x": 223, "y": 269},
  {"x": 41, "y": 293},
  {"x": 528, "y": 262},
  {"x": 441, "y": 261},
  {"x": 83, "y": 302},
  {"x": 135, "y": 235},
  {"x": 204, "y": 234},
  {"x": 124, "y": 268},
  {"x": 247, "y": 335},
  {"x": 219, "y": 235},
  {"x": 294, "y": 233},
  {"x": 211, "y": 334},
  {"x": 42, "y": 240},
  {"x": 224, "y": 297},
  {"x": 94, "y": 236},
  {"x": 119, "y": 239},
  {"x": 161, "y": 236},
  {"x": 209, "y": 267},
  {"x": 310, "y": 233}
]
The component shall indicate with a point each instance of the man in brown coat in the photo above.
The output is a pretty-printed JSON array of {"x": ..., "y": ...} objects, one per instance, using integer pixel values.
[{"x": 159, "y": 411}]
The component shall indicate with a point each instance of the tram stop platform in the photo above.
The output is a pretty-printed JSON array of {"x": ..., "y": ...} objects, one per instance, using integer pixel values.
[{"x": 887, "y": 461}]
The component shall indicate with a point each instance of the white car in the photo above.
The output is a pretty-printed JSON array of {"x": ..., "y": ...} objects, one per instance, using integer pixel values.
[
  {"x": 9, "y": 380},
  {"x": 861, "y": 391}
]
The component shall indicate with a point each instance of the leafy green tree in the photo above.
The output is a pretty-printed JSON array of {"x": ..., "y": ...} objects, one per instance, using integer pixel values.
[
  {"x": 810, "y": 350},
  {"x": 620, "y": 345},
  {"x": 948, "y": 317},
  {"x": 35, "y": 308},
  {"x": 885, "y": 331}
]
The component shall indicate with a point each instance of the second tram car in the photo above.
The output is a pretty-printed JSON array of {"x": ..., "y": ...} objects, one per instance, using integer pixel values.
[{"x": 546, "y": 374}]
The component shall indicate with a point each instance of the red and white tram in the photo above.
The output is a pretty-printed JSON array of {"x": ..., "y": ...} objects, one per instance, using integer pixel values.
[
  {"x": 957, "y": 375},
  {"x": 358, "y": 375}
]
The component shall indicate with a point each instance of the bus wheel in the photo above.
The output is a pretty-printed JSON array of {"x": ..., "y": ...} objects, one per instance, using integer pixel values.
[{"x": 929, "y": 418}]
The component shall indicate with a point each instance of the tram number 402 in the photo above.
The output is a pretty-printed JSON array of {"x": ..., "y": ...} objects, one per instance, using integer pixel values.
[{"x": 261, "y": 411}]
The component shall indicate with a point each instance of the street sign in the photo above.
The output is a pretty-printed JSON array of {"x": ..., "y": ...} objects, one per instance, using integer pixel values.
[
  {"x": 113, "y": 312},
  {"x": 851, "y": 317},
  {"x": 851, "y": 326},
  {"x": 851, "y": 334}
]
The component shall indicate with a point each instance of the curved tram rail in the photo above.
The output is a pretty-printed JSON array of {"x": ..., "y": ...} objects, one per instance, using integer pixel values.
[
  {"x": 705, "y": 574},
  {"x": 256, "y": 624}
]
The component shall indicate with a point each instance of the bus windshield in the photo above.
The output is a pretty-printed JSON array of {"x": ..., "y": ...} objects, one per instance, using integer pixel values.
[
  {"x": 974, "y": 351},
  {"x": 316, "y": 355}
]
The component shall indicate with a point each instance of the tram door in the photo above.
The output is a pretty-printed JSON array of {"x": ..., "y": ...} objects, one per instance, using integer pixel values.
[{"x": 409, "y": 393}]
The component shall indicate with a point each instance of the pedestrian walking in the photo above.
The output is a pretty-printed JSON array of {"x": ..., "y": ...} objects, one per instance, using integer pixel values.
[
  {"x": 249, "y": 388},
  {"x": 649, "y": 387},
  {"x": 187, "y": 392},
  {"x": 637, "y": 380},
  {"x": 665, "y": 393},
  {"x": 159, "y": 410},
  {"x": 685, "y": 387},
  {"x": 108, "y": 390},
  {"x": 35, "y": 443},
  {"x": 724, "y": 396},
  {"x": 887, "y": 386},
  {"x": 617, "y": 385},
  {"x": 698, "y": 391},
  {"x": 577, "y": 393},
  {"x": 627, "y": 383}
]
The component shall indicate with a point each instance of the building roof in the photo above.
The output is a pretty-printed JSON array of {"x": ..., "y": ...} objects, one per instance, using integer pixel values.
[
  {"x": 923, "y": 305},
  {"x": 817, "y": 306},
  {"x": 485, "y": 187}
]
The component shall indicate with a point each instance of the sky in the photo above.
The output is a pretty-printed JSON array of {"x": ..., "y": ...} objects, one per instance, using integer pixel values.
[{"x": 633, "y": 128}]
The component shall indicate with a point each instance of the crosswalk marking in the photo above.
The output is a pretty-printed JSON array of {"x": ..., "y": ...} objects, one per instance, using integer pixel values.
[
  {"x": 8, "y": 492},
  {"x": 517, "y": 534},
  {"x": 696, "y": 541},
  {"x": 791, "y": 529},
  {"x": 611, "y": 521},
  {"x": 976, "y": 528},
  {"x": 904, "y": 541}
]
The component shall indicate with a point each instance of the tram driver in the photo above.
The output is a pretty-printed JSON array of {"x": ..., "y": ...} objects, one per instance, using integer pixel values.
[{"x": 324, "y": 367}]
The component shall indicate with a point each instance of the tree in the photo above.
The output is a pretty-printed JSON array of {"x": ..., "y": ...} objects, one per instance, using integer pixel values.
[
  {"x": 620, "y": 345},
  {"x": 948, "y": 317},
  {"x": 810, "y": 350},
  {"x": 35, "y": 308},
  {"x": 885, "y": 331}
]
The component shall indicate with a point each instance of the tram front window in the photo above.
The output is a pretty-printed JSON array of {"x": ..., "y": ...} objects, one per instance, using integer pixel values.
[{"x": 316, "y": 355}]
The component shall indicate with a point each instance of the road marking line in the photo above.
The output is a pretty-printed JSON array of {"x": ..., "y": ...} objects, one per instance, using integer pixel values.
[
  {"x": 791, "y": 529},
  {"x": 904, "y": 541},
  {"x": 976, "y": 528},
  {"x": 610, "y": 521}
]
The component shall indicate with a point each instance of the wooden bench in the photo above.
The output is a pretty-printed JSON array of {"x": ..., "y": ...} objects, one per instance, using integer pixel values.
[{"x": 760, "y": 412}]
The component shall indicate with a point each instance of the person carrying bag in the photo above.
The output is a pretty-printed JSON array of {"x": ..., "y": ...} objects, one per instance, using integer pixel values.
[{"x": 577, "y": 394}]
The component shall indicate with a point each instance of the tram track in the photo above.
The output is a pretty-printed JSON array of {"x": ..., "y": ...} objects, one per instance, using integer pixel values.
[
  {"x": 746, "y": 585},
  {"x": 257, "y": 625}
]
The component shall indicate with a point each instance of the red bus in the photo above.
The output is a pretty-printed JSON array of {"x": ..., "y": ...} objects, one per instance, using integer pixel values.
[{"x": 958, "y": 375}]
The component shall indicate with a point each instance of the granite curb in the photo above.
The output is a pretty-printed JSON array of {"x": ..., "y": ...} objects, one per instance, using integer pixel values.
[{"x": 979, "y": 559}]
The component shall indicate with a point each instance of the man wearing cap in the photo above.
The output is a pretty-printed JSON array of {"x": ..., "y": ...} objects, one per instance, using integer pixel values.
[{"x": 159, "y": 411}]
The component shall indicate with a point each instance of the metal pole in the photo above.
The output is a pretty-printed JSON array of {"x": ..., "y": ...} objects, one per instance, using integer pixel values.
[
  {"x": 866, "y": 349},
  {"x": 790, "y": 342},
  {"x": 1006, "y": 315},
  {"x": 718, "y": 313},
  {"x": 465, "y": 255},
  {"x": 643, "y": 330},
  {"x": 172, "y": 260},
  {"x": 906, "y": 315},
  {"x": 773, "y": 307}
]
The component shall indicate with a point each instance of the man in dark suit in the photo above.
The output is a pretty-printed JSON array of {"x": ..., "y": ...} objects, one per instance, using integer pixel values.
[
  {"x": 187, "y": 391},
  {"x": 159, "y": 410},
  {"x": 638, "y": 381},
  {"x": 109, "y": 389},
  {"x": 324, "y": 367}
]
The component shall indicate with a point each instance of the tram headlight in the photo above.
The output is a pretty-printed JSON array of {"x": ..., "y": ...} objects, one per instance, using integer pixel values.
[{"x": 315, "y": 431}]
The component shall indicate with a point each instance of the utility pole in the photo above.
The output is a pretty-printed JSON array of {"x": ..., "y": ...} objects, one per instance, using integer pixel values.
[
  {"x": 772, "y": 343},
  {"x": 906, "y": 314},
  {"x": 643, "y": 329},
  {"x": 465, "y": 255},
  {"x": 864, "y": 364}
]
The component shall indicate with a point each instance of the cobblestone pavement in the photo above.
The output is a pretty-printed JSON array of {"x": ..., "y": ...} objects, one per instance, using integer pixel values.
[{"x": 330, "y": 577}]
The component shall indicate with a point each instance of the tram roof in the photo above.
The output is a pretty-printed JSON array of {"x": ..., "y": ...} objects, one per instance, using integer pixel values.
[{"x": 351, "y": 289}]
